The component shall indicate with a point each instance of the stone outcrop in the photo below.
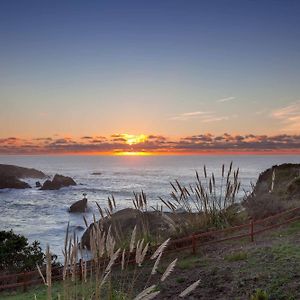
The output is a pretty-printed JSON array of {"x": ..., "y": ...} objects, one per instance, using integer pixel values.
[
  {"x": 122, "y": 222},
  {"x": 286, "y": 182},
  {"x": 58, "y": 182},
  {"x": 20, "y": 172},
  {"x": 79, "y": 206},
  {"x": 12, "y": 182},
  {"x": 38, "y": 184},
  {"x": 10, "y": 176}
]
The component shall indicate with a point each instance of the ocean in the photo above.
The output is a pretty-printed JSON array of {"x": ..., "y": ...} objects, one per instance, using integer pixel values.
[{"x": 43, "y": 215}]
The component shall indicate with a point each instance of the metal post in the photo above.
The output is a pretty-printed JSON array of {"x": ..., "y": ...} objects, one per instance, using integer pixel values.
[
  {"x": 193, "y": 244},
  {"x": 24, "y": 282},
  {"x": 252, "y": 231}
]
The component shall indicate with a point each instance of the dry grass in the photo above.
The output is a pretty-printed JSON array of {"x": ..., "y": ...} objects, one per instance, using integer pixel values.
[
  {"x": 206, "y": 203},
  {"x": 107, "y": 272}
]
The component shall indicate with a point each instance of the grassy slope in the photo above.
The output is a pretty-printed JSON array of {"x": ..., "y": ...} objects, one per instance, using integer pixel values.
[{"x": 231, "y": 270}]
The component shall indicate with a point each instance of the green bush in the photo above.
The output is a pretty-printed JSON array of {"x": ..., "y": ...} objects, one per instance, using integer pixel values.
[{"x": 17, "y": 255}]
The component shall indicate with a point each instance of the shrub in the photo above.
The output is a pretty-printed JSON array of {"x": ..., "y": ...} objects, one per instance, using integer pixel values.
[{"x": 16, "y": 254}]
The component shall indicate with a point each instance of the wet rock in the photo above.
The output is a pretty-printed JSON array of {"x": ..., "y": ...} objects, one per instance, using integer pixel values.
[
  {"x": 58, "y": 182},
  {"x": 79, "y": 206},
  {"x": 38, "y": 184},
  {"x": 12, "y": 182},
  {"x": 286, "y": 183},
  {"x": 20, "y": 172},
  {"x": 156, "y": 223}
]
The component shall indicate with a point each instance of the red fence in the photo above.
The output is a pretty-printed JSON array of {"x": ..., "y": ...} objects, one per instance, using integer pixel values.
[{"x": 250, "y": 230}]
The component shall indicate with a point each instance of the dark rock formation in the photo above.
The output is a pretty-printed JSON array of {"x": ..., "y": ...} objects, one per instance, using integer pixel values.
[
  {"x": 79, "y": 206},
  {"x": 12, "y": 182},
  {"x": 286, "y": 182},
  {"x": 20, "y": 172},
  {"x": 277, "y": 189},
  {"x": 58, "y": 182},
  {"x": 96, "y": 173},
  {"x": 38, "y": 184},
  {"x": 293, "y": 188},
  {"x": 154, "y": 222}
]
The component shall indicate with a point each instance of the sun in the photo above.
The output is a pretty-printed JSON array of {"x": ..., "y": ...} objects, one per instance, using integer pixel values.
[
  {"x": 133, "y": 153},
  {"x": 134, "y": 139}
]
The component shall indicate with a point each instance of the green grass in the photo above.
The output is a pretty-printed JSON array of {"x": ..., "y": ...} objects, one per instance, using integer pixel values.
[
  {"x": 189, "y": 262},
  {"x": 236, "y": 256},
  {"x": 292, "y": 229},
  {"x": 180, "y": 280},
  {"x": 39, "y": 291}
]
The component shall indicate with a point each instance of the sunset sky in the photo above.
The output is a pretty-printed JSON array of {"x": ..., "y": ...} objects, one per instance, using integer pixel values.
[{"x": 149, "y": 76}]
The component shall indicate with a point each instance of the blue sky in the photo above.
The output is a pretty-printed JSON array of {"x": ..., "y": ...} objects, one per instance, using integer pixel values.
[{"x": 176, "y": 68}]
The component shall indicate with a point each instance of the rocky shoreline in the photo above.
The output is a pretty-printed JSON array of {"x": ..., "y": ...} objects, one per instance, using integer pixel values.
[{"x": 11, "y": 175}]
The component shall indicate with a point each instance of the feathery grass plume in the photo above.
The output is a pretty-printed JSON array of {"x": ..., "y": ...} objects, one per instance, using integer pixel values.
[
  {"x": 132, "y": 241},
  {"x": 142, "y": 255},
  {"x": 151, "y": 295},
  {"x": 169, "y": 270},
  {"x": 110, "y": 242},
  {"x": 205, "y": 202},
  {"x": 273, "y": 181},
  {"x": 85, "y": 221},
  {"x": 103, "y": 281},
  {"x": 123, "y": 260},
  {"x": 138, "y": 251},
  {"x": 112, "y": 260},
  {"x": 145, "y": 292},
  {"x": 41, "y": 274},
  {"x": 155, "y": 266},
  {"x": 160, "y": 249},
  {"x": 48, "y": 273},
  {"x": 189, "y": 289},
  {"x": 100, "y": 210},
  {"x": 65, "y": 252}
]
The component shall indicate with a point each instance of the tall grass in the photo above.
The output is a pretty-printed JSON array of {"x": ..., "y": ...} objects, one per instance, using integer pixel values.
[
  {"x": 109, "y": 272},
  {"x": 206, "y": 202}
]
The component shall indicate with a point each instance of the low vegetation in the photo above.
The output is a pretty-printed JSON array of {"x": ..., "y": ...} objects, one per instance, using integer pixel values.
[
  {"x": 128, "y": 261},
  {"x": 17, "y": 255}
]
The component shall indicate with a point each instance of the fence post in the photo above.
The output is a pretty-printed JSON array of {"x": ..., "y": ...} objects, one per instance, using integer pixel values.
[
  {"x": 252, "y": 230},
  {"x": 193, "y": 244},
  {"x": 24, "y": 282},
  {"x": 80, "y": 269}
]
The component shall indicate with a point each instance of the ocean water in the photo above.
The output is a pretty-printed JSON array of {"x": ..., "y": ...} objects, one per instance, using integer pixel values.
[{"x": 43, "y": 215}]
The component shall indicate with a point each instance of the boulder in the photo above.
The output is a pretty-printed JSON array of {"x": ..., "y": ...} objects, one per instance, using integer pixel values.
[
  {"x": 293, "y": 187},
  {"x": 38, "y": 184},
  {"x": 20, "y": 172},
  {"x": 268, "y": 199},
  {"x": 12, "y": 182},
  {"x": 286, "y": 183},
  {"x": 96, "y": 173},
  {"x": 79, "y": 206},
  {"x": 58, "y": 182},
  {"x": 122, "y": 223}
]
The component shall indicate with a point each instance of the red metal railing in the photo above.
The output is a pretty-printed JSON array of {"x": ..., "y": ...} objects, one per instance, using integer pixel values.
[{"x": 25, "y": 279}]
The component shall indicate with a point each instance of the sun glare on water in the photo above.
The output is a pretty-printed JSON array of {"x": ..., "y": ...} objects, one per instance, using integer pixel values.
[{"x": 133, "y": 153}]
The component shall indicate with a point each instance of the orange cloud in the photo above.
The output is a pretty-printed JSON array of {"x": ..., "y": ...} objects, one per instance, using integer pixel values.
[{"x": 116, "y": 144}]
